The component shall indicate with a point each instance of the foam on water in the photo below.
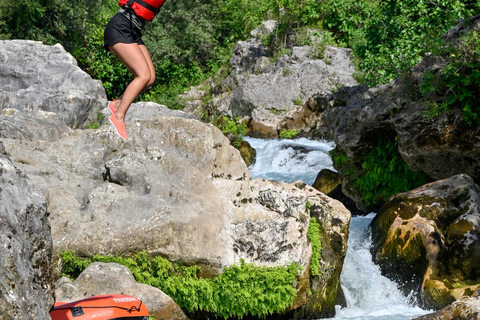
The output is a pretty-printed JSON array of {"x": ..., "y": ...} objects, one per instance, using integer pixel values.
[
  {"x": 369, "y": 295},
  {"x": 290, "y": 160}
]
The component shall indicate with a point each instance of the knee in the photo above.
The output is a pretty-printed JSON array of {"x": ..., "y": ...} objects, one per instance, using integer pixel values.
[
  {"x": 143, "y": 79},
  {"x": 151, "y": 81}
]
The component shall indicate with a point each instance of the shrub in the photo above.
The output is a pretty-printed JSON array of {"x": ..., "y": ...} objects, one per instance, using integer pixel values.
[
  {"x": 237, "y": 128},
  {"x": 460, "y": 79},
  {"x": 241, "y": 290},
  {"x": 388, "y": 37}
]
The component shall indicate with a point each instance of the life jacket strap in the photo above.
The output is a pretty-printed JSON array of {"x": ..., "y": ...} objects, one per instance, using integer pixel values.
[{"x": 144, "y": 4}]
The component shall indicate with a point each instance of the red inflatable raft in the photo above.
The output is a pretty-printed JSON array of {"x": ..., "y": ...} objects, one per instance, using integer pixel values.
[{"x": 105, "y": 307}]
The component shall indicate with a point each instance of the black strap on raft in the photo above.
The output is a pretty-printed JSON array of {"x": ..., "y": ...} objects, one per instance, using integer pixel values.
[
  {"x": 144, "y": 4},
  {"x": 78, "y": 310}
]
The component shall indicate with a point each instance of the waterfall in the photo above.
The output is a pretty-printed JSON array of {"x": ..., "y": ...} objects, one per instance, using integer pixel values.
[
  {"x": 290, "y": 160},
  {"x": 369, "y": 295}
]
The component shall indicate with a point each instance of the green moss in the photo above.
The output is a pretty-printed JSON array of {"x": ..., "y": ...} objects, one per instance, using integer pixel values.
[
  {"x": 241, "y": 290},
  {"x": 313, "y": 234}
]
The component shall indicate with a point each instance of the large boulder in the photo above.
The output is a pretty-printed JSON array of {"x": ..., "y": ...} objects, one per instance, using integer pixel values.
[
  {"x": 269, "y": 227},
  {"x": 427, "y": 240},
  {"x": 31, "y": 125},
  {"x": 36, "y": 77},
  {"x": 26, "y": 282},
  {"x": 152, "y": 192},
  {"x": 276, "y": 96},
  {"x": 178, "y": 189},
  {"x": 111, "y": 278}
]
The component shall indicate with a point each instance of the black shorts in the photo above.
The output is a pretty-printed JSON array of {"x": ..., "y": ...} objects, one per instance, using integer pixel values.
[{"x": 120, "y": 30}]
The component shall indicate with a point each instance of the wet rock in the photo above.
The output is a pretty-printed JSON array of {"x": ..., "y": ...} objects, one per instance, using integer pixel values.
[
  {"x": 248, "y": 153},
  {"x": 427, "y": 240},
  {"x": 328, "y": 182},
  {"x": 465, "y": 308}
]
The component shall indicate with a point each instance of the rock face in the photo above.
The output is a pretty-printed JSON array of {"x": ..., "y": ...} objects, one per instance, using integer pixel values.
[
  {"x": 427, "y": 239},
  {"x": 26, "y": 246},
  {"x": 35, "y": 77},
  {"x": 151, "y": 193},
  {"x": 440, "y": 146},
  {"x": 111, "y": 278},
  {"x": 269, "y": 227},
  {"x": 276, "y": 96}
]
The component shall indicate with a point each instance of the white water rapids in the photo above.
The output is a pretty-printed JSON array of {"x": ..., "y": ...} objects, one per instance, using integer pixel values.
[{"x": 369, "y": 295}]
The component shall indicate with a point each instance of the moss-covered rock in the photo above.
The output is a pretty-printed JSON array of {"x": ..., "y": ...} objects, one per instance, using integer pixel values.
[
  {"x": 427, "y": 240},
  {"x": 247, "y": 152}
]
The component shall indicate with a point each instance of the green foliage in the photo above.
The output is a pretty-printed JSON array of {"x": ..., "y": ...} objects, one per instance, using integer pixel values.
[
  {"x": 190, "y": 41},
  {"x": 320, "y": 44},
  {"x": 276, "y": 111},
  {"x": 291, "y": 14},
  {"x": 461, "y": 79},
  {"x": 237, "y": 128},
  {"x": 71, "y": 265},
  {"x": 313, "y": 234},
  {"x": 241, "y": 290},
  {"x": 390, "y": 36},
  {"x": 69, "y": 22},
  {"x": 385, "y": 173},
  {"x": 288, "y": 134}
]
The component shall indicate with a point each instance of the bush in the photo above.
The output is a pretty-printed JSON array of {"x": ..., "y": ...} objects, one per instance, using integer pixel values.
[
  {"x": 241, "y": 290},
  {"x": 388, "y": 37},
  {"x": 460, "y": 79}
]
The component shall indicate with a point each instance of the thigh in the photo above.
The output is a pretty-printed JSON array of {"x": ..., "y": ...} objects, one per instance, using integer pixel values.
[
  {"x": 148, "y": 59},
  {"x": 133, "y": 57}
]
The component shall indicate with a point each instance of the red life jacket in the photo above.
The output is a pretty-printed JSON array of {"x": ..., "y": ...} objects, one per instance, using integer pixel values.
[{"x": 145, "y": 9}]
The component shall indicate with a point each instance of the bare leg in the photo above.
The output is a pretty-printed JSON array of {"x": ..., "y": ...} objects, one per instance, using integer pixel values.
[{"x": 137, "y": 59}]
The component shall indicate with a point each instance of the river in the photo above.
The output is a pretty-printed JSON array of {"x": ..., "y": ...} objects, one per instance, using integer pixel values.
[{"x": 369, "y": 295}]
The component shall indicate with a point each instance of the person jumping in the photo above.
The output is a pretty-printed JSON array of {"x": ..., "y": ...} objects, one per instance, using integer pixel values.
[{"x": 123, "y": 36}]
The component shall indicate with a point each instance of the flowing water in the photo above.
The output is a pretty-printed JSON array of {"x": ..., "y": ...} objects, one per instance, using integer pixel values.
[{"x": 369, "y": 295}]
